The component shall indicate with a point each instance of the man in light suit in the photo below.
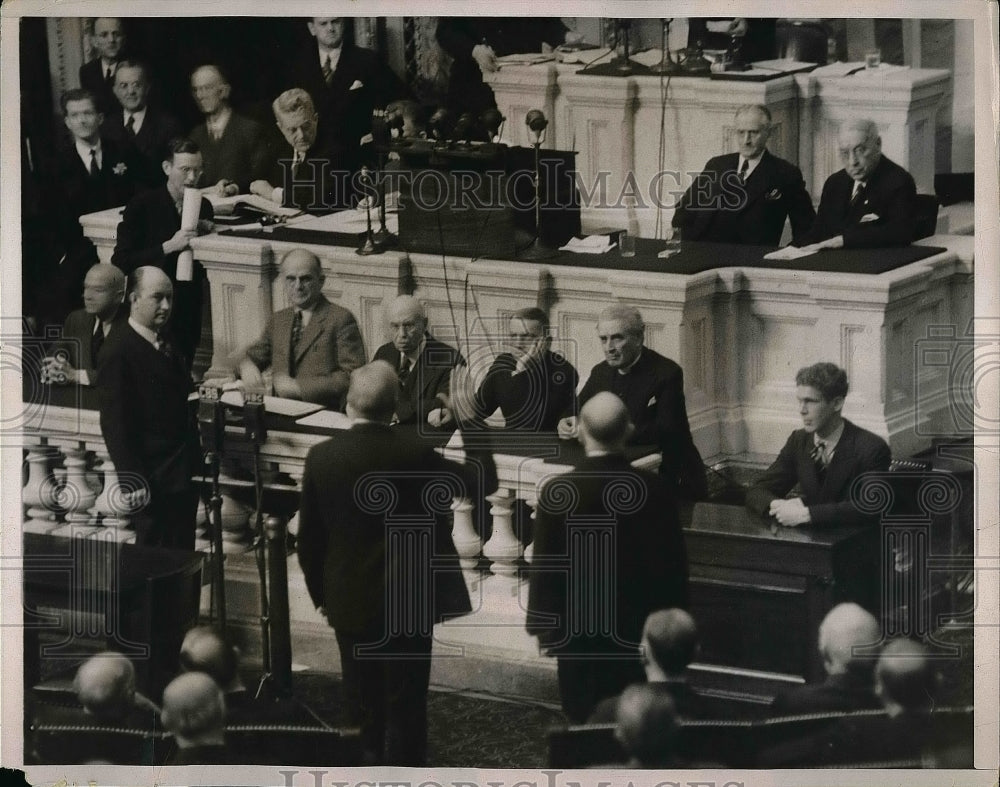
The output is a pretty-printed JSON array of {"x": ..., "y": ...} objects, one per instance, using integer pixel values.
[
  {"x": 744, "y": 197},
  {"x": 822, "y": 459},
  {"x": 98, "y": 75},
  {"x": 148, "y": 425},
  {"x": 608, "y": 551},
  {"x": 311, "y": 347},
  {"x": 87, "y": 330},
  {"x": 423, "y": 364},
  {"x": 870, "y": 202},
  {"x": 383, "y": 574}
]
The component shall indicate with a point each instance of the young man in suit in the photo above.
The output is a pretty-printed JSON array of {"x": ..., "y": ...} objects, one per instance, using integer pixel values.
[
  {"x": 311, "y": 347},
  {"x": 744, "y": 197},
  {"x": 608, "y": 550},
  {"x": 87, "y": 330},
  {"x": 867, "y": 204},
  {"x": 148, "y": 425},
  {"x": 822, "y": 459},
  {"x": 98, "y": 75},
  {"x": 423, "y": 364},
  {"x": 136, "y": 122},
  {"x": 150, "y": 233},
  {"x": 381, "y": 568}
]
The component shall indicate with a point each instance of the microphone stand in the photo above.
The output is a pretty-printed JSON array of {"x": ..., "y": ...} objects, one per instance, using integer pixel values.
[
  {"x": 666, "y": 66},
  {"x": 368, "y": 245},
  {"x": 382, "y": 239},
  {"x": 211, "y": 406},
  {"x": 537, "y": 250}
]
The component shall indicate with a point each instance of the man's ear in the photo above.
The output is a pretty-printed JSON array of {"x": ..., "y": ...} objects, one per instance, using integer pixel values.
[
  {"x": 838, "y": 403},
  {"x": 166, "y": 165}
]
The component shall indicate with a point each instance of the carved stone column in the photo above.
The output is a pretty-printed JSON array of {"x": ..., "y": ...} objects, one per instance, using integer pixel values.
[{"x": 503, "y": 548}]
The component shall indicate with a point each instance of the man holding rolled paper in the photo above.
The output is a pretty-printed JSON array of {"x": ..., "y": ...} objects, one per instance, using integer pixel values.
[{"x": 156, "y": 229}]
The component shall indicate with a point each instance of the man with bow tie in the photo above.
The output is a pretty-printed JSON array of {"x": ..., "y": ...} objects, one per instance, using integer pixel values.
[
  {"x": 821, "y": 459},
  {"x": 745, "y": 197},
  {"x": 311, "y": 347},
  {"x": 148, "y": 425},
  {"x": 870, "y": 202}
]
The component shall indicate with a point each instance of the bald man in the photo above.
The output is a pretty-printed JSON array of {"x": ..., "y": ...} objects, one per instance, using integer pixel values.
[
  {"x": 847, "y": 637},
  {"x": 194, "y": 710},
  {"x": 87, "y": 330},
  {"x": 147, "y": 422},
  {"x": 604, "y": 513},
  {"x": 105, "y": 687},
  {"x": 204, "y": 649},
  {"x": 380, "y": 564},
  {"x": 647, "y": 728},
  {"x": 311, "y": 347},
  {"x": 867, "y": 204},
  {"x": 423, "y": 364}
]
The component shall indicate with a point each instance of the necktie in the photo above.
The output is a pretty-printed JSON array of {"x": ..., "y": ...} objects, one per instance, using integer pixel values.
[
  {"x": 130, "y": 125},
  {"x": 858, "y": 194},
  {"x": 296, "y": 336},
  {"x": 164, "y": 346},
  {"x": 743, "y": 170},
  {"x": 95, "y": 170},
  {"x": 296, "y": 161},
  {"x": 819, "y": 459},
  {"x": 404, "y": 369},
  {"x": 327, "y": 71},
  {"x": 96, "y": 343},
  {"x": 109, "y": 76}
]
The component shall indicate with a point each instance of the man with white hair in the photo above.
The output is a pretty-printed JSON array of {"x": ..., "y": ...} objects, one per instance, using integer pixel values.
[
  {"x": 105, "y": 687},
  {"x": 194, "y": 710},
  {"x": 867, "y": 204}
]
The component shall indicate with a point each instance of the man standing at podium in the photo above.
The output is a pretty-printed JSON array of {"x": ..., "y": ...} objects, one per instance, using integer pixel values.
[{"x": 822, "y": 459}]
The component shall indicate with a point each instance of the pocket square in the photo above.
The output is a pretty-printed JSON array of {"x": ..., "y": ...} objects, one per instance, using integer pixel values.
[
  {"x": 869, "y": 217},
  {"x": 356, "y": 85},
  {"x": 651, "y": 402},
  {"x": 773, "y": 195}
]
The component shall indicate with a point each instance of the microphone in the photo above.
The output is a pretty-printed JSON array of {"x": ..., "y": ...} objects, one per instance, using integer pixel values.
[
  {"x": 253, "y": 417},
  {"x": 211, "y": 415},
  {"x": 537, "y": 123},
  {"x": 464, "y": 127},
  {"x": 440, "y": 124},
  {"x": 491, "y": 120}
]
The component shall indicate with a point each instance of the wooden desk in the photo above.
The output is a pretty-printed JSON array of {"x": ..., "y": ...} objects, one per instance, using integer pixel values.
[{"x": 759, "y": 594}]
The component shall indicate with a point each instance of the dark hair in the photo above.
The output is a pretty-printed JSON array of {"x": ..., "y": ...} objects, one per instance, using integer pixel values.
[
  {"x": 673, "y": 639},
  {"x": 179, "y": 145},
  {"x": 827, "y": 378},
  {"x": 77, "y": 94},
  {"x": 133, "y": 64},
  {"x": 534, "y": 314}
]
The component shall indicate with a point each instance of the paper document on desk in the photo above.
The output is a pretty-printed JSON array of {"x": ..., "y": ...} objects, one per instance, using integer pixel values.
[
  {"x": 526, "y": 58},
  {"x": 227, "y": 205},
  {"x": 585, "y": 56},
  {"x": 788, "y": 253},
  {"x": 274, "y": 404},
  {"x": 782, "y": 65},
  {"x": 349, "y": 221},
  {"x": 589, "y": 244},
  {"x": 326, "y": 419}
]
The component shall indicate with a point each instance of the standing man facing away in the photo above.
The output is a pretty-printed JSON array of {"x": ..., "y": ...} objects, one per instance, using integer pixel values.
[
  {"x": 147, "y": 423},
  {"x": 382, "y": 573},
  {"x": 744, "y": 197}
]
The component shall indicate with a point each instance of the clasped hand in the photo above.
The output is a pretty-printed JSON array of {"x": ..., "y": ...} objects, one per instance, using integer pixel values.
[{"x": 790, "y": 513}]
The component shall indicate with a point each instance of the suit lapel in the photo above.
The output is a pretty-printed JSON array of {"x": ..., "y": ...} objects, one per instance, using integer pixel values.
[
  {"x": 312, "y": 331},
  {"x": 759, "y": 179}
]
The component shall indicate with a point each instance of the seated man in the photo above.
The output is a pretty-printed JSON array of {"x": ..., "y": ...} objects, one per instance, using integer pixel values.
[
  {"x": 311, "y": 347},
  {"x": 647, "y": 728},
  {"x": 87, "y": 329},
  {"x": 652, "y": 388},
  {"x": 304, "y": 175},
  {"x": 821, "y": 460},
  {"x": 105, "y": 687},
  {"x": 745, "y": 197},
  {"x": 867, "y": 204},
  {"x": 204, "y": 649},
  {"x": 845, "y": 631},
  {"x": 194, "y": 710},
  {"x": 422, "y": 363},
  {"x": 669, "y": 643}
]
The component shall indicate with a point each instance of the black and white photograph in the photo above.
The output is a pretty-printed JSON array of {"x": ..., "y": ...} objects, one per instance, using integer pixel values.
[{"x": 575, "y": 396}]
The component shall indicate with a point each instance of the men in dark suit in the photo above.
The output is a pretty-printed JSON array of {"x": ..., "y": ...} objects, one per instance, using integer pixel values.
[
  {"x": 844, "y": 635},
  {"x": 311, "y": 347},
  {"x": 88, "y": 329},
  {"x": 105, "y": 687},
  {"x": 608, "y": 551},
  {"x": 150, "y": 233},
  {"x": 346, "y": 83},
  {"x": 821, "y": 460},
  {"x": 135, "y": 122},
  {"x": 867, "y": 204},
  {"x": 423, "y": 364},
  {"x": 381, "y": 596},
  {"x": 148, "y": 426},
  {"x": 303, "y": 175},
  {"x": 652, "y": 388},
  {"x": 744, "y": 197},
  {"x": 194, "y": 710},
  {"x": 234, "y": 147},
  {"x": 98, "y": 75}
]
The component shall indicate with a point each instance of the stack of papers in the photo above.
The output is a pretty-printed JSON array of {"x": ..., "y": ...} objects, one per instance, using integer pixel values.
[
  {"x": 789, "y": 253},
  {"x": 349, "y": 221},
  {"x": 589, "y": 244},
  {"x": 586, "y": 56},
  {"x": 526, "y": 59},
  {"x": 326, "y": 419}
]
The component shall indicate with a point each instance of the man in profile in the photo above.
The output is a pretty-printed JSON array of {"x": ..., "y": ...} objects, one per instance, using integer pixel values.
[
  {"x": 652, "y": 388},
  {"x": 608, "y": 550},
  {"x": 423, "y": 364},
  {"x": 745, "y": 197},
  {"x": 147, "y": 423},
  {"x": 98, "y": 75},
  {"x": 379, "y": 563},
  {"x": 821, "y": 459},
  {"x": 311, "y": 347},
  {"x": 867, "y": 204}
]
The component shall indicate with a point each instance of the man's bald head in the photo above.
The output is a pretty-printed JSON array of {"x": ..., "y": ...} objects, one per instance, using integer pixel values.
[
  {"x": 205, "y": 650},
  {"x": 845, "y": 629},
  {"x": 152, "y": 296},
  {"x": 373, "y": 391},
  {"x": 604, "y": 423},
  {"x": 670, "y": 639},
  {"x": 904, "y": 677},
  {"x": 103, "y": 290},
  {"x": 194, "y": 709},
  {"x": 105, "y": 685},
  {"x": 647, "y": 724}
]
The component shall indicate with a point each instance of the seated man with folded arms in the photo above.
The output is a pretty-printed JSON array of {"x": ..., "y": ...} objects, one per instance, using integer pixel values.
[
  {"x": 821, "y": 460},
  {"x": 311, "y": 347},
  {"x": 867, "y": 204},
  {"x": 74, "y": 359}
]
